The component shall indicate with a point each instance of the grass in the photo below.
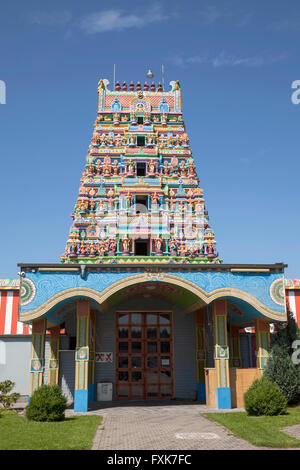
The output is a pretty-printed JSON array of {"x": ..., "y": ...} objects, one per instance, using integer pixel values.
[
  {"x": 261, "y": 431},
  {"x": 75, "y": 433}
]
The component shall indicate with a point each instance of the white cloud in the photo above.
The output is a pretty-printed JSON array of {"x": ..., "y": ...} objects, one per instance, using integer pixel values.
[
  {"x": 223, "y": 59},
  {"x": 254, "y": 61},
  {"x": 116, "y": 20}
]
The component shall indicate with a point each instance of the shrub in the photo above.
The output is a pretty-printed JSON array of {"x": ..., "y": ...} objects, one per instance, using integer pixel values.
[
  {"x": 264, "y": 398},
  {"x": 280, "y": 368},
  {"x": 47, "y": 404},
  {"x": 7, "y": 399}
]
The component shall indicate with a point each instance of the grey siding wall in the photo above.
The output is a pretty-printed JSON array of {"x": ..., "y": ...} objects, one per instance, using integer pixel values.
[
  {"x": 105, "y": 342},
  {"x": 66, "y": 376},
  {"x": 184, "y": 354},
  {"x": 15, "y": 362},
  {"x": 209, "y": 337},
  {"x": 245, "y": 350}
]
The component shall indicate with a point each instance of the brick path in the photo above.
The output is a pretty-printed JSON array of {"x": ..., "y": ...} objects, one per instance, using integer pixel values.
[
  {"x": 293, "y": 431},
  {"x": 157, "y": 426}
]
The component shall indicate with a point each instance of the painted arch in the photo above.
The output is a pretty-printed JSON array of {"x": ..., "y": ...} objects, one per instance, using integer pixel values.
[{"x": 204, "y": 298}]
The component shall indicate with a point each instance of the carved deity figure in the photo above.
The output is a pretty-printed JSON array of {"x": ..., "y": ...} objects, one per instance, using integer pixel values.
[
  {"x": 102, "y": 248},
  {"x": 158, "y": 243},
  {"x": 185, "y": 140},
  {"x": 107, "y": 166},
  {"x": 174, "y": 164},
  {"x": 115, "y": 167},
  {"x": 151, "y": 167},
  {"x": 210, "y": 249},
  {"x": 154, "y": 198},
  {"x": 128, "y": 198},
  {"x": 191, "y": 167},
  {"x": 98, "y": 167},
  {"x": 92, "y": 250},
  {"x": 149, "y": 139},
  {"x": 112, "y": 247},
  {"x": 130, "y": 167},
  {"x": 100, "y": 207},
  {"x": 73, "y": 249},
  {"x": 125, "y": 245},
  {"x": 182, "y": 249},
  {"x": 182, "y": 168},
  {"x": 173, "y": 247}
]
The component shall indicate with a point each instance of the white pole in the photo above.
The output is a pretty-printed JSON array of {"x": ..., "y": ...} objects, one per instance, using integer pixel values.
[
  {"x": 163, "y": 81},
  {"x": 114, "y": 75}
]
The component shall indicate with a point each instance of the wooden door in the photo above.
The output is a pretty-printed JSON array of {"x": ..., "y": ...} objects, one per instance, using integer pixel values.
[{"x": 144, "y": 355}]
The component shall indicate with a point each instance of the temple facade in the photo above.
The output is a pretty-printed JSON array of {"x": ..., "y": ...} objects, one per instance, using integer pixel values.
[{"x": 141, "y": 296}]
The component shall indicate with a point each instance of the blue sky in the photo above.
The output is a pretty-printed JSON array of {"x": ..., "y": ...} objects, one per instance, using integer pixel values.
[{"x": 236, "y": 62}]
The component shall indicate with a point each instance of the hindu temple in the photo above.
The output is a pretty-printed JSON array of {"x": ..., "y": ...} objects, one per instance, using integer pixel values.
[{"x": 140, "y": 298}]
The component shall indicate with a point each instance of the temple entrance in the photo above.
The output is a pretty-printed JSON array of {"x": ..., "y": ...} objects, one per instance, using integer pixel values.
[{"x": 144, "y": 355}]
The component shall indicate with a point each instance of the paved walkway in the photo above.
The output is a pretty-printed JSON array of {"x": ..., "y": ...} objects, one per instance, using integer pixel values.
[
  {"x": 155, "y": 425},
  {"x": 160, "y": 426},
  {"x": 293, "y": 431}
]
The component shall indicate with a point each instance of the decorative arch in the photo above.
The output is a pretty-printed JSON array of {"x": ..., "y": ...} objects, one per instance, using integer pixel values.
[{"x": 205, "y": 298}]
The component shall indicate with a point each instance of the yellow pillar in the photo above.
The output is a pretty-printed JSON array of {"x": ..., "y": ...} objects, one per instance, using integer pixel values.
[
  {"x": 54, "y": 356},
  {"x": 200, "y": 352},
  {"x": 262, "y": 331},
  {"x": 235, "y": 358},
  {"x": 37, "y": 354},
  {"x": 85, "y": 356},
  {"x": 222, "y": 391}
]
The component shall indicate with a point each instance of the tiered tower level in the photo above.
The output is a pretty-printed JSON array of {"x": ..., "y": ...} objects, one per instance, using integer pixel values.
[{"x": 139, "y": 199}]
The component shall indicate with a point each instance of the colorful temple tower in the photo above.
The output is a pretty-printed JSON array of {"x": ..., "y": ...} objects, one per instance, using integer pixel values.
[
  {"x": 139, "y": 199},
  {"x": 140, "y": 297}
]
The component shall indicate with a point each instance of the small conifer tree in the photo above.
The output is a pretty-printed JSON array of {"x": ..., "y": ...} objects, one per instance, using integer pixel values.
[
  {"x": 6, "y": 398},
  {"x": 280, "y": 367}
]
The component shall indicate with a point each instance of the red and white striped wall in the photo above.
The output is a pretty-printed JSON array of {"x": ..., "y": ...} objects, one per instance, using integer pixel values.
[
  {"x": 9, "y": 324},
  {"x": 292, "y": 294}
]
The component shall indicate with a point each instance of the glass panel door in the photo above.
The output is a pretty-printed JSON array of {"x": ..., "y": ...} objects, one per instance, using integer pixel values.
[{"x": 144, "y": 355}]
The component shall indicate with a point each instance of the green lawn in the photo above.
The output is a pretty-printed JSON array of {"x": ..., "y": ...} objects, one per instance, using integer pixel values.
[
  {"x": 262, "y": 431},
  {"x": 75, "y": 433}
]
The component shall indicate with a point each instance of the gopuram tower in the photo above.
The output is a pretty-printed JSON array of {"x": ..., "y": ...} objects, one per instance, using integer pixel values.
[{"x": 139, "y": 199}]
